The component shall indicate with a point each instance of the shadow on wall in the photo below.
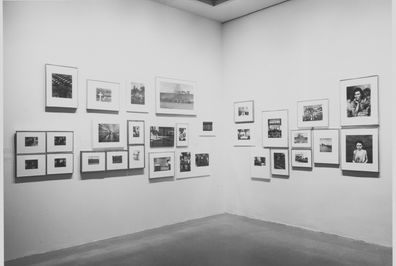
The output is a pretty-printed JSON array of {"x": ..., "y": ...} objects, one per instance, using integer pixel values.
[
  {"x": 361, "y": 174},
  {"x": 111, "y": 174},
  {"x": 29, "y": 179}
]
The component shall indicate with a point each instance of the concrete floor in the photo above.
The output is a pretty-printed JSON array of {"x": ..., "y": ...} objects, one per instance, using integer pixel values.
[{"x": 220, "y": 240}]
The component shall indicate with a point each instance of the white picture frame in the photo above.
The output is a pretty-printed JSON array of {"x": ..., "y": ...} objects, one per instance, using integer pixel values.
[
  {"x": 275, "y": 129},
  {"x": 207, "y": 128},
  {"x": 108, "y": 133},
  {"x": 61, "y": 86},
  {"x": 260, "y": 163},
  {"x": 301, "y": 158},
  {"x": 92, "y": 161},
  {"x": 313, "y": 113},
  {"x": 280, "y": 162},
  {"x": 182, "y": 134},
  {"x": 29, "y": 165},
  {"x": 326, "y": 146},
  {"x": 116, "y": 160},
  {"x": 244, "y": 112},
  {"x": 301, "y": 138},
  {"x": 136, "y": 157},
  {"x": 136, "y": 132},
  {"x": 60, "y": 141},
  {"x": 29, "y": 142},
  {"x": 201, "y": 165},
  {"x": 175, "y": 96},
  {"x": 60, "y": 163},
  {"x": 359, "y": 101},
  {"x": 161, "y": 165},
  {"x": 359, "y": 150},
  {"x": 136, "y": 97},
  {"x": 244, "y": 135},
  {"x": 184, "y": 164},
  {"x": 103, "y": 95}
]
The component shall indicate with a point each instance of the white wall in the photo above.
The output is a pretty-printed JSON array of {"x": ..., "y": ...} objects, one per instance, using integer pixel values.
[
  {"x": 299, "y": 51},
  {"x": 113, "y": 41},
  {"x": 1, "y": 137}
]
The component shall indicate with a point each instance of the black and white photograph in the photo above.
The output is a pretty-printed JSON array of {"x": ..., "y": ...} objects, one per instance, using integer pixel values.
[
  {"x": 103, "y": 96},
  {"x": 280, "y": 162},
  {"x": 175, "y": 96},
  {"x": 61, "y": 86},
  {"x": 116, "y": 160},
  {"x": 161, "y": 164},
  {"x": 201, "y": 159},
  {"x": 29, "y": 142},
  {"x": 359, "y": 101},
  {"x": 161, "y": 136},
  {"x": 185, "y": 162},
  {"x": 136, "y": 156},
  {"x": 136, "y": 132},
  {"x": 302, "y": 158},
  {"x": 275, "y": 128},
  {"x": 359, "y": 149},
  {"x": 326, "y": 146},
  {"x": 207, "y": 128},
  {"x": 30, "y": 165},
  {"x": 93, "y": 161},
  {"x": 109, "y": 133},
  {"x": 182, "y": 137},
  {"x": 301, "y": 138},
  {"x": 260, "y": 163},
  {"x": 313, "y": 113},
  {"x": 60, "y": 163},
  {"x": 244, "y": 135},
  {"x": 136, "y": 97},
  {"x": 244, "y": 112},
  {"x": 60, "y": 141}
]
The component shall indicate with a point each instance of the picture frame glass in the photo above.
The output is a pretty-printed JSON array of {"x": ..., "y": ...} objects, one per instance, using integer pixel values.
[
  {"x": 60, "y": 163},
  {"x": 162, "y": 136},
  {"x": 244, "y": 112},
  {"x": 326, "y": 146},
  {"x": 60, "y": 141},
  {"x": 29, "y": 142},
  {"x": 30, "y": 165},
  {"x": 103, "y": 95},
  {"x": 61, "y": 86},
  {"x": 161, "y": 164}
]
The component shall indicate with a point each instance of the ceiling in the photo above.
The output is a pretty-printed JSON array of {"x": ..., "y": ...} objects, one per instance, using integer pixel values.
[{"x": 224, "y": 11}]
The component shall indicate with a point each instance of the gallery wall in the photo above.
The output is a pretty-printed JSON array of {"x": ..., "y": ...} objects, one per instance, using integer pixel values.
[
  {"x": 299, "y": 51},
  {"x": 116, "y": 41},
  {"x": 1, "y": 136}
]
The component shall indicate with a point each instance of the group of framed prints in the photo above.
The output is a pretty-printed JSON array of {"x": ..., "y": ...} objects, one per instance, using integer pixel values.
[
  {"x": 41, "y": 153},
  {"x": 314, "y": 143}
]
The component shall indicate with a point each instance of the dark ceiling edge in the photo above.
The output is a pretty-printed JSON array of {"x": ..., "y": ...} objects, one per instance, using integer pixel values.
[{"x": 255, "y": 11}]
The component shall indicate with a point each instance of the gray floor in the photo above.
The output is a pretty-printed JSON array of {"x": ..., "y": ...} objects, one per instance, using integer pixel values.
[{"x": 220, "y": 240}]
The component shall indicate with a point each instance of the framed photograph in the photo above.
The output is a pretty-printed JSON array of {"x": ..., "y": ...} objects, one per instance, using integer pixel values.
[
  {"x": 207, "y": 128},
  {"x": 28, "y": 142},
  {"x": 359, "y": 149},
  {"x": 280, "y": 162},
  {"x": 30, "y": 165},
  {"x": 301, "y": 139},
  {"x": 61, "y": 86},
  {"x": 136, "y": 132},
  {"x": 109, "y": 133},
  {"x": 244, "y": 135},
  {"x": 184, "y": 164},
  {"x": 136, "y": 97},
  {"x": 103, "y": 95},
  {"x": 302, "y": 158},
  {"x": 359, "y": 101},
  {"x": 275, "y": 129},
  {"x": 175, "y": 96},
  {"x": 60, "y": 163},
  {"x": 260, "y": 163},
  {"x": 60, "y": 141},
  {"x": 182, "y": 135},
  {"x": 161, "y": 164},
  {"x": 313, "y": 113},
  {"x": 244, "y": 112},
  {"x": 326, "y": 146},
  {"x": 93, "y": 161},
  {"x": 136, "y": 157},
  {"x": 116, "y": 160},
  {"x": 162, "y": 137},
  {"x": 202, "y": 165}
]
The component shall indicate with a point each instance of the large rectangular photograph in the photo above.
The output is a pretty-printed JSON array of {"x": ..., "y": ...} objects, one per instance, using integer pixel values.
[
  {"x": 175, "y": 96},
  {"x": 109, "y": 133},
  {"x": 61, "y": 86},
  {"x": 244, "y": 112},
  {"x": 161, "y": 136}
]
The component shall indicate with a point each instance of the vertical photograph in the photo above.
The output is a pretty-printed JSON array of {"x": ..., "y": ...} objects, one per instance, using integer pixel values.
[
  {"x": 61, "y": 86},
  {"x": 136, "y": 97},
  {"x": 244, "y": 112},
  {"x": 275, "y": 129},
  {"x": 182, "y": 136},
  {"x": 280, "y": 162}
]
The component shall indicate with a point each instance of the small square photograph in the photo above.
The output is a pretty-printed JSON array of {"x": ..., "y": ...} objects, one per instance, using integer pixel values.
[
  {"x": 207, "y": 126},
  {"x": 29, "y": 142},
  {"x": 301, "y": 138},
  {"x": 136, "y": 157},
  {"x": 135, "y": 132},
  {"x": 30, "y": 165},
  {"x": 244, "y": 112},
  {"x": 260, "y": 164},
  {"x": 359, "y": 149},
  {"x": 201, "y": 159},
  {"x": 103, "y": 95},
  {"x": 302, "y": 158},
  {"x": 92, "y": 161},
  {"x": 358, "y": 100},
  {"x": 313, "y": 113},
  {"x": 62, "y": 85},
  {"x": 325, "y": 145},
  {"x": 182, "y": 135},
  {"x": 280, "y": 162},
  {"x": 162, "y": 136},
  {"x": 108, "y": 133},
  {"x": 117, "y": 160}
]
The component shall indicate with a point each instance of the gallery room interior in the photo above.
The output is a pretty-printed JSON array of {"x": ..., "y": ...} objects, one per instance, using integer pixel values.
[{"x": 198, "y": 132}]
